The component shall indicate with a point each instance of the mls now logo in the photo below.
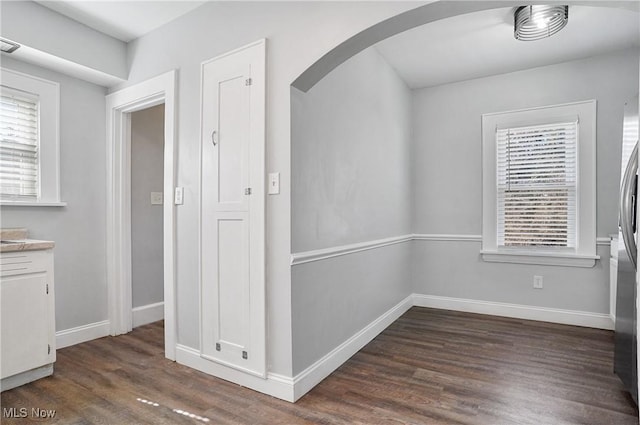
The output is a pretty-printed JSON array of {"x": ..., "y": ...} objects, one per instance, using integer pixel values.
[
  {"x": 13, "y": 412},
  {"x": 23, "y": 412}
]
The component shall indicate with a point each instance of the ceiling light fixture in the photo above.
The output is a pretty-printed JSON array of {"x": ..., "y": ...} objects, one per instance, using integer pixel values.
[
  {"x": 7, "y": 46},
  {"x": 536, "y": 22}
]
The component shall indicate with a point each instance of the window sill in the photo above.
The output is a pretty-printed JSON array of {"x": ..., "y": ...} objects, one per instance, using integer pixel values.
[
  {"x": 31, "y": 204},
  {"x": 542, "y": 258}
]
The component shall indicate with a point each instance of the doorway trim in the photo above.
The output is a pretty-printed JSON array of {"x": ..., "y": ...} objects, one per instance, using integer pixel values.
[{"x": 119, "y": 106}]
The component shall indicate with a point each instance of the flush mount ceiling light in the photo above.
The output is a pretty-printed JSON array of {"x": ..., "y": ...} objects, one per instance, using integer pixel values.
[
  {"x": 8, "y": 46},
  {"x": 536, "y": 22}
]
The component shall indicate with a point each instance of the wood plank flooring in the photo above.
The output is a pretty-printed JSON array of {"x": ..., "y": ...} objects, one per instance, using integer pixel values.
[{"x": 429, "y": 367}]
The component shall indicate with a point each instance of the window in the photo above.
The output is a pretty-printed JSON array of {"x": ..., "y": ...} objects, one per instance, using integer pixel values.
[
  {"x": 539, "y": 185},
  {"x": 19, "y": 145},
  {"x": 29, "y": 140}
]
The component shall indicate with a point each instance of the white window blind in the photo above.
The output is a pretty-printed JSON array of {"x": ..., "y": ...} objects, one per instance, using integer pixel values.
[
  {"x": 537, "y": 185},
  {"x": 19, "y": 140}
]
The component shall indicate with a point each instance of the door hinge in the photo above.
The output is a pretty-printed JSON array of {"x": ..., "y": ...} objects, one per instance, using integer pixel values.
[
  {"x": 247, "y": 191},
  {"x": 48, "y": 349},
  {"x": 245, "y": 355},
  {"x": 248, "y": 82},
  {"x": 47, "y": 288},
  {"x": 217, "y": 346}
]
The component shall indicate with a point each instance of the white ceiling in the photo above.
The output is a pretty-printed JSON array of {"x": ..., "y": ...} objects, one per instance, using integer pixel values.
[
  {"x": 124, "y": 20},
  {"x": 454, "y": 49},
  {"x": 482, "y": 44}
]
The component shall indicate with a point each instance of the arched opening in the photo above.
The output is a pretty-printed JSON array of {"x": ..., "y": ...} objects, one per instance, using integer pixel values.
[{"x": 387, "y": 169}]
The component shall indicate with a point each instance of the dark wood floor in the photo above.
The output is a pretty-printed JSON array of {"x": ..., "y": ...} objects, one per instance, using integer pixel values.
[{"x": 429, "y": 367}]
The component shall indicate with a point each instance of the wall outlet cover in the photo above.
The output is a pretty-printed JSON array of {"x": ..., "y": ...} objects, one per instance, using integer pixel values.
[{"x": 156, "y": 198}]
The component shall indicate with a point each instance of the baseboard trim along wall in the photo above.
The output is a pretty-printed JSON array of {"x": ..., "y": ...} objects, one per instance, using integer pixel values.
[
  {"x": 517, "y": 311},
  {"x": 80, "y": 334},
  {"x": 275, "y": 385},
  {"x": 291, "y": 389},
  {"x": 314, "y": 374},
  {"x": 147, "y": 314}
]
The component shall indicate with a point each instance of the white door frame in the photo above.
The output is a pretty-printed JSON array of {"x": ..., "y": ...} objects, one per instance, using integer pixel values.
[{"x": 120, "y": 105}]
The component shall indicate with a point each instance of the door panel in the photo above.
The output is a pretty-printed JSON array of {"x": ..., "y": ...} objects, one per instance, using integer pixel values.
[
  {"x": 232, "y": 140},
  {"x": 232, "y": 216},
  {"x": 233, "y": 282}
]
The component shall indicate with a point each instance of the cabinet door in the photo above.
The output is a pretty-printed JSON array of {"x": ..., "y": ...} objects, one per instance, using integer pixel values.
[
  {"x": 233, "y": 287},
  {"x": 25, "y": 337}
]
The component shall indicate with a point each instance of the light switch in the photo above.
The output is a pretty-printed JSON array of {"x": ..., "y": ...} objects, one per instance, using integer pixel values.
[
  {"x": 179, "y": 196},
  {"x": 156, "y": 198},
  {"x": 274, "y": 183}
]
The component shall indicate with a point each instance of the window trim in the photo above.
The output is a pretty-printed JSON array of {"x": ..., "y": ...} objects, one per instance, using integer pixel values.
[
  {"x": 584, "y": 254},
  {"x": 48, "y": 93}
]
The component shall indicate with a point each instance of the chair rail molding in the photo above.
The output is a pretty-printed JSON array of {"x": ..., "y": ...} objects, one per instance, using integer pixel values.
[{"x": 337, "y": 251}]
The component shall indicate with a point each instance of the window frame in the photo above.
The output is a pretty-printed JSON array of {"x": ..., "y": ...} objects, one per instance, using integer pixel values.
[
  {"x": 48, "y": 93},
  {"x": 584, "y": 253}
]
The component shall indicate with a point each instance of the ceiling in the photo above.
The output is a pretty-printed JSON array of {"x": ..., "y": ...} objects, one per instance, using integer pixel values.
[
  {"x": 454, "y": 49},
  {"x": 482, "y": 44},
  {"x": 124, "y": 20}
]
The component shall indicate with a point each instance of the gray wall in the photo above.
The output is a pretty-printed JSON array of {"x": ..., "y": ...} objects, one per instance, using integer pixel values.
[
  {"x": 447, "y": 175},
  {"x": 147, "y": 155},
  {"x": 350, "y": 141},
  {"x": 79, "y": 228},
  {"x": 350, "y": 145},
  {"x": 333, "y": 299}
]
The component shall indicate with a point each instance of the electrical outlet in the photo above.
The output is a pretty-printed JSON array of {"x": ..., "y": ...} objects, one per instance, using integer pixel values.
[
  {"x": 537, "y": 282},
  {"x": 156, "y": 198}
]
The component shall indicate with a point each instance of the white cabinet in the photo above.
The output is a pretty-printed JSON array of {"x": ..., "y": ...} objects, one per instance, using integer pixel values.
[{"x": 27, "y": 317}]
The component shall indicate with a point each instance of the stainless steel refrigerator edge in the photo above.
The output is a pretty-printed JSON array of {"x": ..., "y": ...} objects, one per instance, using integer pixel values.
[{"x": 625, "y": 362}]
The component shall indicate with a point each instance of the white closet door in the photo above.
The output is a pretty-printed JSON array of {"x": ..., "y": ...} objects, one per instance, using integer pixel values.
[{"x": 232, "y": 304}]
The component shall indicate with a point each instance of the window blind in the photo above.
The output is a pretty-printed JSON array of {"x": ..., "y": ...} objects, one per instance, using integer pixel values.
[
  {"x": 19, "y": 162},
  {"x": 537, "y": 185}
]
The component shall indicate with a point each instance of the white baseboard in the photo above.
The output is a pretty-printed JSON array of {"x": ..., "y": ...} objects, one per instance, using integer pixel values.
[
  {"x": 274, "y": 385},
  {"x": 147, "y": 314},
  {"x": 314, "y": 374},
  {"x": 543, "y": 314},
  {"x": 81, "y": 334},
  {"x": 291, "y": 389},
  {"x": 26, "y": 377}
]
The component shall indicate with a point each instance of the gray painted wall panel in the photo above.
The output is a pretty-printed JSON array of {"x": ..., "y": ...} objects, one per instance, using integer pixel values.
[
  {"x": 447, "y": 166},
  {"x": 334, "y": 299},
  {"x": 79, "y": 228},
  {"x": 455, "y": 269},
  {"x": 351, "y": 140},
  {"x": 447, "y": 174},
  {"x": 147, "y": 155},
  {"x": 350, "y": 146}
]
